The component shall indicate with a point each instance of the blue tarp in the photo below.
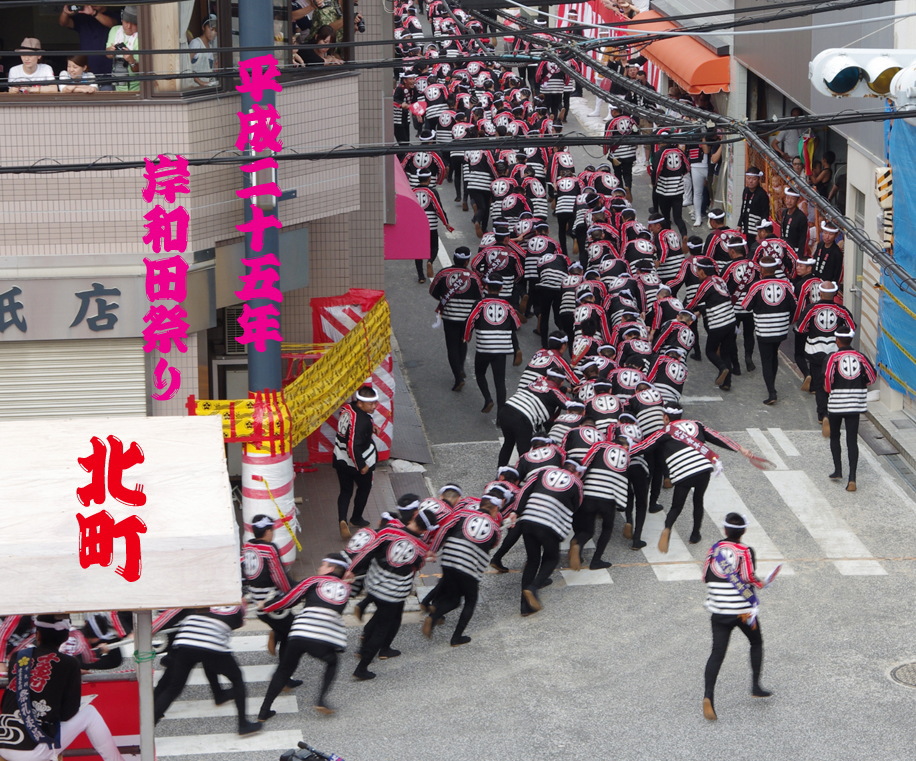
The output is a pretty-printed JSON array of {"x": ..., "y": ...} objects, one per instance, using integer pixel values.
[{"x": 896, "y": 324}]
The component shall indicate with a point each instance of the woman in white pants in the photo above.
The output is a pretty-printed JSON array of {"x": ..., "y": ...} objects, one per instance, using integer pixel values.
[{"x": 698, "y": 156}]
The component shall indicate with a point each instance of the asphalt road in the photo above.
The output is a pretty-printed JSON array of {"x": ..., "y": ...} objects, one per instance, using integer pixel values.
[{"x": 612, "y": 668}]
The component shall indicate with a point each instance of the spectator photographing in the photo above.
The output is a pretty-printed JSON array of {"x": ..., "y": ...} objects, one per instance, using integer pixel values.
[
  {"x": 92, "y": 23},
  {"x": 31, "y": 75},
  {"x": 77, "y": 77},
  {"x": 123, "y": 38}
]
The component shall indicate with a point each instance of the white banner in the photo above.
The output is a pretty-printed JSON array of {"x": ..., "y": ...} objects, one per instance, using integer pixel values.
[{"x": 116, "y": 514}]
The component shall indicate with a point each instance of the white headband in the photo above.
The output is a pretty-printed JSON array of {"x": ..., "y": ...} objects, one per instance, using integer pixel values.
[
  {"x": 335, "y": 561},
  {"x": 495, "y": 500},
  {"x": 735, "y": 243},
  {"x": 61, "y": 625},
  {"x": 845, "y": 333},
  {"x": 764, "y": 223},
  {"x": 655, "y": 221},
  {"x": 367, "y": 395},
  {"x": 789, "y": 192},
  {"x": 428, "y": 522},
  {"x": 720, "y": 215},
  {"x": 806, "y": 262},
  {"x": 827, "y": 287},
  {"x": 726, "y": 524},
  {"x": 507, "y": 469},
  {"x": 265, "y": 522},
  {"x": 450, "y": 487}
]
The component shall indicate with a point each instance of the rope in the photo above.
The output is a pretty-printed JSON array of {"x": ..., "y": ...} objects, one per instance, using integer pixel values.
[
  {"x": 897, "y": 301},
  {"x": 283, "y": 519}
]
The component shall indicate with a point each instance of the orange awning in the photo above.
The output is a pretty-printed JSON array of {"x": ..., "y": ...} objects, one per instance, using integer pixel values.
[{"x": 683, "y": 58}]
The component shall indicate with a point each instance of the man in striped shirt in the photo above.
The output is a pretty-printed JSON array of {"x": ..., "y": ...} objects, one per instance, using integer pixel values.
[
  {"x": 458, "y": 290},
  {"x": 496, "y": 323},
  {"x": 204, "y": 638},
  {"x": 714, "y": 301},
  {"x": 263, "y": 576},
  {"x": 318, "y": 629},
  {"x": 390, "y": 562},
  {"x": 546, "y": 505},
  {"x": 847, "y": 377},
  {"x": 466, "y": 537},
  {"x": 730, "y": 579},
  {"x": 772, "y": 301}
]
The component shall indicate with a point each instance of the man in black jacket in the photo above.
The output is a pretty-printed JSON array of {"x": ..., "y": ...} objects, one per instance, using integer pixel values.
[
  {"x": 355, "y": 457},
  {"x": 755, "y": 203}
]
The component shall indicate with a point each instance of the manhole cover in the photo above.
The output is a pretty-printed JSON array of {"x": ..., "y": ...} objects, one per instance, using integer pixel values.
[{"x": 905, "y": 674}]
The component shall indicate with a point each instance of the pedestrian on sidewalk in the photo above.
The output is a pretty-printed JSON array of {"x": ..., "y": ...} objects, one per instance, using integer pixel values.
[
  {"x": 731, "y": 581},
  {"x": 355, "y": 457}
]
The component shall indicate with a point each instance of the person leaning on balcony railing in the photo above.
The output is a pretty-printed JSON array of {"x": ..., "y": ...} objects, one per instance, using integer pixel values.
[
  {"x": 92, "y": 23},
  {"x": 319, "y": 56},
  {"x": 77, "y": 77},
  {"x": 31, "y": 76},
  {"x": 124, "y": 38}
]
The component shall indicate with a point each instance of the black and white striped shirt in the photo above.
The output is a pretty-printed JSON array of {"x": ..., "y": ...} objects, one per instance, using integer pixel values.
[
  {"x": 210, "y": 630},
  {"x": 605, "y": 476},
  {"x": 773, "y": 303},
  {"x": 847, "y": 377},
  {"x": 722, "y": 597},
  {"x": 715, "y": 302},
  {"x": 467, "y": 538},
  {"x": 538, "y": 401},
  {"x": 325, "y": 598},
  {"x": 495, "y": 321},
  {"x": 549, "y": 498}
]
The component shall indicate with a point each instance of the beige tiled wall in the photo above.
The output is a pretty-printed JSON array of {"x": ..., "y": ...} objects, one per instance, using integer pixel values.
[{"x": 102, "y": 212}]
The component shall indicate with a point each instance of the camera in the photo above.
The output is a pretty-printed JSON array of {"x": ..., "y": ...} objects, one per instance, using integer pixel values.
[
  {"x": 75, "y": 8},
  {"x": 120, "y": 46},
  {"x": 361, "y": 26}
]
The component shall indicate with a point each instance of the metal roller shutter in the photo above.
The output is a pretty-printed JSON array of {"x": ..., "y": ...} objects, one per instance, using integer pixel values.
[{"x": 98, "y": 377}]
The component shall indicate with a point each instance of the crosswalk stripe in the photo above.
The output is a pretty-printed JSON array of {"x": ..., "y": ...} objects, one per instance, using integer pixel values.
[
  {"x": 586, "y": 577},
  {"x": 678, "y": 564},
  {"x": 766, "y": 448},
  {"x": 723, "y": 498},
  {"x": 699, "y": 399},
  {"x": 829, "y": 530},
  {"x": 250, "y": 644},
  {"x": 195, "y": 745},
  {"x": 784, "y": 444},
  {"x": 258, "y": 673},
  {"x": 207, "y": 709}
]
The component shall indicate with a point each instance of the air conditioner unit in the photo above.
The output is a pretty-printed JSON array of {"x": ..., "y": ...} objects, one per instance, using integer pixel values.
[{"x": 232, "y": 331}]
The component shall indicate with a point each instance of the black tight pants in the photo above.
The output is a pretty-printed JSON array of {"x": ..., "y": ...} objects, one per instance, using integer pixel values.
[
  {"x": 381, "y": 630},
  {"x": 542, "y": 555},
  {"x": 454, "y": 587},
  {"x": 498, "y": 363},
  {"x": 517, "y": 432},
  {"x": 720, "y": 347},
  {"x": 638, "y": 498},
  {"x": 348, "y": 477},
  {"x": 698, "y": 482},
  {"x": 769, "y": 362},
  {"x": 852, "y": 441},
  {"x": 565, "y": 222},
  {"x": 182, "y": 660},
  {"x": 671, "y": 208},
  {"x": 721, "y": 633},
  {"x": 455, "y": 347},
  {"x": 296, "y": 647},
  {"x": 592, "y": 509}
]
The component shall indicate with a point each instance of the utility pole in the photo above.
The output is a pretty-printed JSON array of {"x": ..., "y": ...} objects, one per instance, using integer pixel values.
[{"x": 267, "y": 469}]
